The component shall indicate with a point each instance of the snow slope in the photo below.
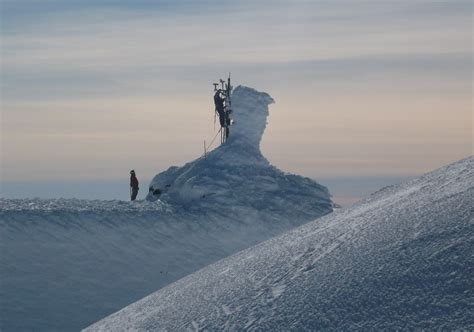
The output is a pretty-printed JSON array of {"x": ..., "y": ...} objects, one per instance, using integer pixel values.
[
  {"x": 400, "y": 259},
  {"x": 65, "y": 264}
]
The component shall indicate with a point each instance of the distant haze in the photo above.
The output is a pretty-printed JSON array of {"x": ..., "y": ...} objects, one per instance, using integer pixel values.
[{"x": 92, "y": 89}]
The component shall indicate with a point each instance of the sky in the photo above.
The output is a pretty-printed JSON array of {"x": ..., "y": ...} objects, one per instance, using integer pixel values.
[{"x": 363, "y": 89}]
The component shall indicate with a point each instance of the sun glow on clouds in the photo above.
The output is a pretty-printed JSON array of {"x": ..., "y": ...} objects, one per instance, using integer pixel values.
[{"x": 361, "y": 88}]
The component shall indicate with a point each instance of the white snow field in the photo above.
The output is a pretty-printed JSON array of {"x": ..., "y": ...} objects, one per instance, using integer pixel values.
[
  {"x": 66, "y": 263},
  {"x": 401, "y": 259}
]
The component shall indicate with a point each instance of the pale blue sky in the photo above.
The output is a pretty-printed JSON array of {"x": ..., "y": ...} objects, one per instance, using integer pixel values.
[{"x": 363, "y": 89}]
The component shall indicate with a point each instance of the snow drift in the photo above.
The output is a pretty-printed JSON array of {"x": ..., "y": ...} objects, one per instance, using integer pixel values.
[
  {"x": 400, "y": 259},
  {"x": 65, "y": 264}
]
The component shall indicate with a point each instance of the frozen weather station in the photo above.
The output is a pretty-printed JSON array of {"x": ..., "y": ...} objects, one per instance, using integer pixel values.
[{"x": 288, "y": 166}]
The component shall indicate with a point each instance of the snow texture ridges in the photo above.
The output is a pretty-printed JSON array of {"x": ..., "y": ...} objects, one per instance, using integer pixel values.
[{"x": 401, "y": 259}]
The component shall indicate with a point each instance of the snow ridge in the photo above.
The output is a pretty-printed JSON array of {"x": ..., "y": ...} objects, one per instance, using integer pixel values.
[
  {"x": 399, "y": 260},
  {"x": 80, "y": 205}
]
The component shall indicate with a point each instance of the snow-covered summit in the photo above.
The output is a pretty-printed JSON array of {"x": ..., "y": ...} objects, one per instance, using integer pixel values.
[
  {"x": 399, "y": 260},
  {"x": 237, "y": 174}
]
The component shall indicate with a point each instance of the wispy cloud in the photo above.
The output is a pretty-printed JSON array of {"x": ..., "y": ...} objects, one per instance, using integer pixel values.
[{"x": 92, "y": 61}]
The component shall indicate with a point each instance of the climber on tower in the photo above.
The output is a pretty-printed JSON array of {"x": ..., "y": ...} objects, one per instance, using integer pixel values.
[
  {"x": 220, "y": 109},
  {"x": 219, "y": 102}
]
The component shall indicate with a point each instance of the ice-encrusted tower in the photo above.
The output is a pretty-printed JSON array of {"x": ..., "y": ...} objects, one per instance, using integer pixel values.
[{"x": 237, "y": 175}]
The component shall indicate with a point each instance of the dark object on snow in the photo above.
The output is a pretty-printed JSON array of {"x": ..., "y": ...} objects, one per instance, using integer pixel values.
[
  {"x": 133, "y": 185},
  {"x": 154, "y": 191}
]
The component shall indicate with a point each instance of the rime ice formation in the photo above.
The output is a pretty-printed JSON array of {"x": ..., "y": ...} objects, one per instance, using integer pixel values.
[
  {"x": 66, "y": 263},
  {"x": 237, "y": 174},
  {"x": 398, "y": 260}
]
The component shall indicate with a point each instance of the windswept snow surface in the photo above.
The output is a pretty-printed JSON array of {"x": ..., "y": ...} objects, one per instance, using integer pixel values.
[
  {"x": 65, "y": 264},
  {"x": 400, "y": 259}
]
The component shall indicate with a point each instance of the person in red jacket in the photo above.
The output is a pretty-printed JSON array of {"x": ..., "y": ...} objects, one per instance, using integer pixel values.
[{"x": 133, "y": 185}]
